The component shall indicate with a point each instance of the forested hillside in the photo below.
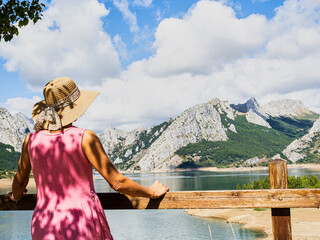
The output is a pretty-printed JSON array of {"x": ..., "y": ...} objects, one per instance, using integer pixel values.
[{"x": 250, "y": 140}]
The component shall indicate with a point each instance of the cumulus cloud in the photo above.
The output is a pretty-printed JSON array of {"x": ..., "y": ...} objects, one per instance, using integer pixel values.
[
  {"x": 209, "y": 53},
  {"x": 23, "y": 105},
  {"x": 204, "y": 40},
  {"x": 69, "y": 40},
  {"x": 206, "y": 53}
]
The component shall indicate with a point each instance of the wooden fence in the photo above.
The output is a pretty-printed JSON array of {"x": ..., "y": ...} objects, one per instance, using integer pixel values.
[{"x": 278, "y": 198}]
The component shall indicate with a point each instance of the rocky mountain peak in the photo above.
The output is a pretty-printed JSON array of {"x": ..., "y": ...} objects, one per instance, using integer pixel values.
[
  {"x": 112, "y": 137},
  {"x": 13, "y": 129},
  {"x": 198, "y": 122},
  {"x": 251, "y": 103},
  {"x": 223, "y": 107},
  {"x": 156, "y": 148},
  {"x": 284, "y": 107},
  {"x": 23, "y": 118}
]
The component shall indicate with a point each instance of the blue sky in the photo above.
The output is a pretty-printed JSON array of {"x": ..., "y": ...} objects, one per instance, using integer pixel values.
[
  {"x": 147, "y": 19},
  {"x": 173, "y": 53}
]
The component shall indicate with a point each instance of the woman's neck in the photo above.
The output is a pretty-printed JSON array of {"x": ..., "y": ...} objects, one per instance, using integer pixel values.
[{"x": 59, "y": 130}]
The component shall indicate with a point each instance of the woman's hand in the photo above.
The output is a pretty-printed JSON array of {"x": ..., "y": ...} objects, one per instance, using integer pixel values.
[
  {"x": 158, "y": 189},
  {"x": 93, "y": 150},
  {"x": 10, "y": 195}
]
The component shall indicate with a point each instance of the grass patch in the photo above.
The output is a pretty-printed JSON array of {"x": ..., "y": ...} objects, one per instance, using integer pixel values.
[{"x": 260, "y": 209}]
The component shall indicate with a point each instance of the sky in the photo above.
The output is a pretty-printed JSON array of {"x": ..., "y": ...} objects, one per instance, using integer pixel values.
[{"x": 151, "y": 60}]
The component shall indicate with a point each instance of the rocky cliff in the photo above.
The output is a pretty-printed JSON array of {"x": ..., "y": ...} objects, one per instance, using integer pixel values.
[
  {"x": 301, "y": 147},
  {"x": 199, "y": 122},
  {"x": 156, "y": 148},
  {"x": 284, "y": 108},
  {"x": 13, "y": 128},
  {"x": 277, "y": 108},
  {"x": 251, "y": 104}
]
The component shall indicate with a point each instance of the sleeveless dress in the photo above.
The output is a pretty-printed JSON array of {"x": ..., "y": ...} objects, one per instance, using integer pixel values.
[{"x": 67, "y": 205}]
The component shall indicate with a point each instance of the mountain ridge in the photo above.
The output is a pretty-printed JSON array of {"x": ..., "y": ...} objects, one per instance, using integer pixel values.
[
  {"x": 202, "y": 121},
  {"x": 214, "y": 133},
  {"x": 13, "y": 128}
]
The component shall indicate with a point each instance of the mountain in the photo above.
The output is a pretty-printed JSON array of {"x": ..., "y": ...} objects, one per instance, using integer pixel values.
[
  {"x": 23, "y": 118},
  {"x": 212, "y": 134},
  {"x": 306, "y": 148},
  {"x": 251, "y": 104},
  {"x": 13, "y": 128},
  {"x": 200, "y": 122}
]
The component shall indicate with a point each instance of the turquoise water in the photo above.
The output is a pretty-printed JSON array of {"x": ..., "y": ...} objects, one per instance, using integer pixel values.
[
  {"x": 196, "y": 180},
  {"x": 139, "y": 224},
  {"x": 160, "y": 224}
]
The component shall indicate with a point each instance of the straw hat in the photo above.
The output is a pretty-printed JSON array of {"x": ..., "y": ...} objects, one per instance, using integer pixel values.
[{"x": 63, "y": 104}]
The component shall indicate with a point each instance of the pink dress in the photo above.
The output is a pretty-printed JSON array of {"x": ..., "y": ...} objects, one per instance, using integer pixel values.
[{"x": 67, "y": 205}]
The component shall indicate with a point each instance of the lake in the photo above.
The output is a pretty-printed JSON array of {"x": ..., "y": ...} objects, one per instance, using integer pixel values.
[{"x": 161, "y": 224}]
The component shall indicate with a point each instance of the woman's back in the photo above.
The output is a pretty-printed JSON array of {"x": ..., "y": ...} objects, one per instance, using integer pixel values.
[{"x": 67, "y": 206}]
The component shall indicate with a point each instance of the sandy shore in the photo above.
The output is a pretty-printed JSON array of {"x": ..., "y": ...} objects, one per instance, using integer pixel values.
[
  {"x": 305, "y": 222},
  {"x": 6, "y": 184}
]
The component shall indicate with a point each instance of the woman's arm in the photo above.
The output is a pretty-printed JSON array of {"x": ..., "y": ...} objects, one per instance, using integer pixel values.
[
  {"x": 21, "y": 178},
  {"x": 96, "y": 155}
]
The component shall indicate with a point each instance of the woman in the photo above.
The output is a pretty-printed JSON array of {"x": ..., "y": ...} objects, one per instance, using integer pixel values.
[{"x": 62, "y": 157}]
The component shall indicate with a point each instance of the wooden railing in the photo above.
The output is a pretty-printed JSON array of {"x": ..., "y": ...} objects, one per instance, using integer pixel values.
[{"x": 278, "y": 198}]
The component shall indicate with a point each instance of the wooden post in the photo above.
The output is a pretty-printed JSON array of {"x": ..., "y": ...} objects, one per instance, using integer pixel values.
[{"x": 281, "y": 222}]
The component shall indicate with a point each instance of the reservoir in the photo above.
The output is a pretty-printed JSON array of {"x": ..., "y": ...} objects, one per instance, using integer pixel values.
[{"x": 160, "y": 224}]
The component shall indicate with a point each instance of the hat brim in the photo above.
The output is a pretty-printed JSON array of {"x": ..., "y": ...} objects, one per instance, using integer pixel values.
[{"x": 71, "y": 112}]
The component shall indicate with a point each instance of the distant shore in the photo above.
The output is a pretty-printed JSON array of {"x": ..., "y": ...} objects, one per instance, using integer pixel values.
[
  {"x": 240, "y": 169},
  {"x": 6, "y": 183},
  {"x": 305, "y": 222}
]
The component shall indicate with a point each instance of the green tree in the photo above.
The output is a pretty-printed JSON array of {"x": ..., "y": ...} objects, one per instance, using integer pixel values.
[
  {"x": 15, "y": 13},
  {"x": 293, "y": 182}
]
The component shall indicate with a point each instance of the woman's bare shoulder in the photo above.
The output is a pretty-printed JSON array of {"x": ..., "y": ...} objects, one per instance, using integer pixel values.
[
  {"x": 89, "y": 135},
  {"x": 90, "y": 139}
]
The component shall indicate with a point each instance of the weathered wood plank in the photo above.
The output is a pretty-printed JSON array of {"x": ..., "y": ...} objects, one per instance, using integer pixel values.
[
  {"x": 281, "y": 220},
  {"x": 267, "y": 198}
]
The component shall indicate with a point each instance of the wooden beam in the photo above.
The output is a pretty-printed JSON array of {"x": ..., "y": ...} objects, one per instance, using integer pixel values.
[
  {"x": 281, "y": 221},
  {"x": 267, "y": 198}
]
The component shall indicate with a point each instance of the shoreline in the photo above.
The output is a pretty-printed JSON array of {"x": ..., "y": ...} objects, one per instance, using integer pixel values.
[
  {"x": 314, "y": 166},
  {"x": 305, "y": 222},
  {"x": 6, "y": 184}
]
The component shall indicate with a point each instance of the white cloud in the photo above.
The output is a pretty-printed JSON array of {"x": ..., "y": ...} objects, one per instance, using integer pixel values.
[
  {"x": 207, "y": 53},
  {"x": 143, "y": 3},
  {"x": 120, "y": 46},
  {"x": 130, "y": 17},
  {"x": 208, "y": 37},
  {"x": 23, "y": 105},
  {"x": 69, "y": 40},
  {"x": 210, "y": 53}
]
